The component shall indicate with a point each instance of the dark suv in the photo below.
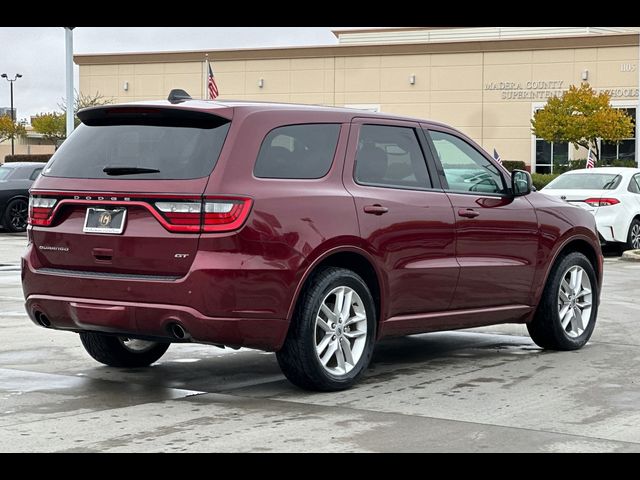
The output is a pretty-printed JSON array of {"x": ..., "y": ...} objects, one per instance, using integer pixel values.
[{"x": 309, "y": 231}]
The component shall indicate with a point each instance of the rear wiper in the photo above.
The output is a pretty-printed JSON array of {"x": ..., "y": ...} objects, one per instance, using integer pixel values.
[{"x": 128, "y": 170}]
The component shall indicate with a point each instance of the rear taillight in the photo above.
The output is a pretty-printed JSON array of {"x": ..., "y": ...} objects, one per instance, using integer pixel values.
[
  {"x": 41, "y": 211},
  {"x": 602, "y": 202},
  {"x": 181, "y": 216},
  {"x": 218, "y": 215},
  {"x": 224, "y": 214}
]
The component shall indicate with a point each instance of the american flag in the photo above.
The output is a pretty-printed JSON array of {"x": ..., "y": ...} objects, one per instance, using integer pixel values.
[
  {"x": 591, "y": 160},
  {"x": 496, "y": 156},
  {"x": 211, "y": 84}
]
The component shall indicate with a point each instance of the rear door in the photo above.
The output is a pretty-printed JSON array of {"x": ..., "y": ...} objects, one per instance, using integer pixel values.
[
  {"x": 406, "y": 222},
  {"x": 124, "y": 193}
]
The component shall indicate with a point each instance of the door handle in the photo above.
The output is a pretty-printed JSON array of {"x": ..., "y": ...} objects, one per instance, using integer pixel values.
[
  {"x": 375, "y": 209},
  {"x": 468, "y": 213}
]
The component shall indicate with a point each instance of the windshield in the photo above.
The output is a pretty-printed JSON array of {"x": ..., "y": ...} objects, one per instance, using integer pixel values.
[
  {"x": 585, "y": 181},
  {"x": 5, "y": 172},
  {"x": 172, "y": 150}
]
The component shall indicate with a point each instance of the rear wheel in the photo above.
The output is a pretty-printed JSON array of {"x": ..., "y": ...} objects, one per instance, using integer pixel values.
[
  {"x": 16, "y": 215},
  {"x": 331, "y": 338},
  {"x": 122, "y": 351},
  {"x": 633, "y": 237},
  {"x": 567, "y": 313}
]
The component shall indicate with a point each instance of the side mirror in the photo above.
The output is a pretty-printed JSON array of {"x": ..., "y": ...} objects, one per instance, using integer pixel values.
[{"x": 521, "y": 183}]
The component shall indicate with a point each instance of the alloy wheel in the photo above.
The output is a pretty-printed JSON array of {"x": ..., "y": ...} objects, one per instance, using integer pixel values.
[{"x": 575, "y": 300}]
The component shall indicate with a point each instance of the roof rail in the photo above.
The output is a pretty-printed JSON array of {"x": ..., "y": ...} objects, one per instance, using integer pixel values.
[{"x": 178, "y": 95}]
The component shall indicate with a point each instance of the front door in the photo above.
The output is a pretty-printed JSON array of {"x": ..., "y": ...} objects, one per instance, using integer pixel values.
[
  {"x": 406, "y": 223},
  {"x": 496, "y": 233}
]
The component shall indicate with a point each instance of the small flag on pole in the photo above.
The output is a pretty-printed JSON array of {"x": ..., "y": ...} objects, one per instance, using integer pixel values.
[
  {"x": 591, "y": 160},
  {"x": 496, "y": 156},
  {"x": 211, "y": 84}
]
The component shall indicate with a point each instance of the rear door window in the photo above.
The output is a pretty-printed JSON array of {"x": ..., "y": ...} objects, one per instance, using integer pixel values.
[
  {"x": 390, "y": 156},
  {"x": 168, "y": 146},
  {"x": 298, "y": 151}
]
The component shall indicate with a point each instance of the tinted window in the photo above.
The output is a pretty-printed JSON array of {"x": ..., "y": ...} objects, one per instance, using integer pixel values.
[
  {"x": 176, "y": 150},
  {"x": 636, "y": 179},
  {"x": 585, "y": 181},
  {"x": 466, "y": 169},
  {"x": 35, "y": 173},
  {"x": 298, "y": 151},
  {"x": 390, "y": 157}
]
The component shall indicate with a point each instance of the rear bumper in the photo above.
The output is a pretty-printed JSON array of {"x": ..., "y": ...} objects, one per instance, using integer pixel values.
[
  {"x": 216, "y": 302},
  {"x": 154, "y": 320}
]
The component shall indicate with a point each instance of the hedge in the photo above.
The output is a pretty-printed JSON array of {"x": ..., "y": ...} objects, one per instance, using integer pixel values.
[
  {"x": 512, "y": 165},
  {"x": 542, "y": 179},
  {"x": 44, "y": 158}
]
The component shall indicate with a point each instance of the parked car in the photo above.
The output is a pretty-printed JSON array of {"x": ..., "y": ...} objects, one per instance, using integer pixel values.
[
  {"x": 15, "y": 181},
  {"x": 312, "y": 232},
  {"x": 611, "y": 194}
]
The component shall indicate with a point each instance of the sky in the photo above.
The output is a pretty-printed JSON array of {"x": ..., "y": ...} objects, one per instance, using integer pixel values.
[{"x": 38, "y": 52}]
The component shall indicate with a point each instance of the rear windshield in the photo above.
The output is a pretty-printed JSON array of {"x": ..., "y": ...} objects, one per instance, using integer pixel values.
[
  {"x": 179, "y": 150},
  {"x": 586, "y": 181}
]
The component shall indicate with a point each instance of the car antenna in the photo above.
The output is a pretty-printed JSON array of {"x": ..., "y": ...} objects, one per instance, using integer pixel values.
[{"x": 178, "y": 95}]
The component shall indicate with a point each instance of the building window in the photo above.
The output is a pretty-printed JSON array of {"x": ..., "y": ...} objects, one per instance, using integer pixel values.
[
  {"x": 624, "y": 150},
  {"x": 550, "y": 155}
]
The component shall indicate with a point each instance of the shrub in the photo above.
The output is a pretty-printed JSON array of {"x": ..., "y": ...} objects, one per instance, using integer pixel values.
[
  {"x": 44, "y": 158},
  {"x": 540, "y": 180},
  {"x": 512, "y": 165}
]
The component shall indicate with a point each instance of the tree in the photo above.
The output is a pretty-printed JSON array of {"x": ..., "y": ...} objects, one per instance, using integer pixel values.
[
  {"x": 52, "y": 126},
  {"x": 581, "y": 116},
  {"x": 84, "y": 101},
  {"x": 10, "y": 129}
]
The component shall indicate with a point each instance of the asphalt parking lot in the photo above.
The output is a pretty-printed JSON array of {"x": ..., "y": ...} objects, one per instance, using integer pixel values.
[{"x": 485, "y": 390}]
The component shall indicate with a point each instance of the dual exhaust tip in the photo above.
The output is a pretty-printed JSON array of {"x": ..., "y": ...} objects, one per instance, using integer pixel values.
[
  {"x": 42, "y": 319},
  {"x": 176, "y": 330}
]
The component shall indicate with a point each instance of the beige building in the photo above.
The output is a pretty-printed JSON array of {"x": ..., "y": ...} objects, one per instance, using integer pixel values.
[
  {"x": 31, "y": 144},
  {"x": 486, "y": 81}
]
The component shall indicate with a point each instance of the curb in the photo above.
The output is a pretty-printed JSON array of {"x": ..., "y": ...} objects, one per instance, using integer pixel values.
[{"x": 631, "y": 256}]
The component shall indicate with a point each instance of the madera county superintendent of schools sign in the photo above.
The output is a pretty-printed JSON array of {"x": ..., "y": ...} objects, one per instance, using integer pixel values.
[{"x": 542, "y": 90}]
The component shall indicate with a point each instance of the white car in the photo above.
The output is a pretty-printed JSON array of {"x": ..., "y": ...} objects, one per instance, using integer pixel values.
[{"x": 611, "y": 194}]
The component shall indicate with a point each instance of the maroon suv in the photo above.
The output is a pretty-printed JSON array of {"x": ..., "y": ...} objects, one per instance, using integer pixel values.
[{"x": 309, "y": 231}]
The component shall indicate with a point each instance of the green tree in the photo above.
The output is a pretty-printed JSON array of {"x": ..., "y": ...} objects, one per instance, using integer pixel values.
[
  {"x": 582, "y": 116},
  {"x": 52, "y": 126},
  {"x": 10, "y": 129}
]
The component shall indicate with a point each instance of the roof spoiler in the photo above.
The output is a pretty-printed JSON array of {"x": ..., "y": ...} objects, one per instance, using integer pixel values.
[{"x": 178, "y": 95}]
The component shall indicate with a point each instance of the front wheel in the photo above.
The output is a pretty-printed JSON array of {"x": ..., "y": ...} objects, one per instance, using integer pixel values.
[
  {"x": 122, "y": 352},
  {"x": 567, "y": 313},
  {"x": 331, "y": 338}
]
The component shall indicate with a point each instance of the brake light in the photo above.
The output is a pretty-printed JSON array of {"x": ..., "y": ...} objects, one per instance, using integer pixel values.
[
  {"x": 181, "y": 216},
  {"x": 224, "y": 214},
  {"x": 219, "y": 215},
  {"x": 41, "y": 210},
  {"x": 602, "y": 202}
]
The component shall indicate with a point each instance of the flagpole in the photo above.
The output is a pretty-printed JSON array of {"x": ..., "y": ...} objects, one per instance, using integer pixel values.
[{"x": 206, "y": 76}]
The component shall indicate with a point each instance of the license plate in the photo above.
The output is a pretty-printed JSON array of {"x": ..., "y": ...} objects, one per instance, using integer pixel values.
[{"x": 102, "y": 220}]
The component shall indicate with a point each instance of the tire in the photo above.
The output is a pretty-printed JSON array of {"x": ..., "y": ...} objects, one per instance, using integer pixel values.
[
  {"x": 16, "y": 215},
  {"x": 633, "y": 237},
  {"x": 299, "y": 359},
  {"x": 120, "y": 351},
  {"x": 547, "y": 329}
]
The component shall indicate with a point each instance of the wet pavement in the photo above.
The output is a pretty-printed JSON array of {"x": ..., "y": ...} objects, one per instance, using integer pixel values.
[{"x": 489, "y": 389}]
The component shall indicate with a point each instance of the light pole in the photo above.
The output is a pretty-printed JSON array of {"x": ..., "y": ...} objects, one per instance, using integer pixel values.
[
  {"x": 68, "y": 36},
  {"x": 13, "y": 115}
]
